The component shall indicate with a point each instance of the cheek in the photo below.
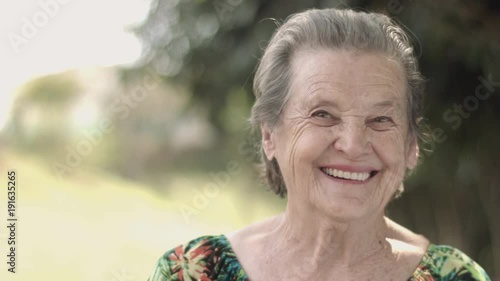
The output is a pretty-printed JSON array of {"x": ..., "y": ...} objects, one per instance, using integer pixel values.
[
  {"x": 390, "y": 147},
  {"x": 391, "y": 151},
  {"x": 299, "y": 150},
  {"x": 310, "y": 144},
  {"x": 296, "y": 140}
]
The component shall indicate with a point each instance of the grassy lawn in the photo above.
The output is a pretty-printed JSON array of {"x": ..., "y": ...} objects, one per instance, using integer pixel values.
[{"x": 96, "y": 226}]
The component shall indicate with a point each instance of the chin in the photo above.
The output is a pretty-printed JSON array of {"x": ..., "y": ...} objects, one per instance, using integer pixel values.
[{"x": 343, "y": 209}]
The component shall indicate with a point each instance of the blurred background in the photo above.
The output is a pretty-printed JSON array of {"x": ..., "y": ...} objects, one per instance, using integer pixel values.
[{"x": 126, "y": 124}]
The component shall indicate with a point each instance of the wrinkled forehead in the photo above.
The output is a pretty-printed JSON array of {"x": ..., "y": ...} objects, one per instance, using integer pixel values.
[{"x": 370, "y": 76}]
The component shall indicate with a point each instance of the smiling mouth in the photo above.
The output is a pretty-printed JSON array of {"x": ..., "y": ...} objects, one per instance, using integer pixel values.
[{"x": 344, "y": 175}]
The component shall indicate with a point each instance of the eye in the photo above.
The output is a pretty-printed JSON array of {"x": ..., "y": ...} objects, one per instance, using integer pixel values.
[
  {"x": 382, "y": 119},
  {"x": 324, "y": 119},
  {"x": 321, "y": 114},
  {"x": 381, "y": 123}
]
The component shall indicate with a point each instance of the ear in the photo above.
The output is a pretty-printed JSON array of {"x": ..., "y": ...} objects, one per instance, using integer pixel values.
[
  {"x": 412, "y": 153},
  {"x": 268, "y": 141}
]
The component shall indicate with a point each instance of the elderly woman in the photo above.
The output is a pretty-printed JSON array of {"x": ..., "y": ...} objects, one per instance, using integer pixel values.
[{"x": 338, "y": 101}]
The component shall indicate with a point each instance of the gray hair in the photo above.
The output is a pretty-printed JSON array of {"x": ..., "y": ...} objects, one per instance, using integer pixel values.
[{"x": 333, "y": 29}]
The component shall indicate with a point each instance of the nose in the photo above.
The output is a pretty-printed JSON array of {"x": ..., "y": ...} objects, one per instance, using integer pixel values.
[{"x": 352, "y": 140}]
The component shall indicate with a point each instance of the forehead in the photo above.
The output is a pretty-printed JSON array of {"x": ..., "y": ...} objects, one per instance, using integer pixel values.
[{"x": 346, "y": 74}]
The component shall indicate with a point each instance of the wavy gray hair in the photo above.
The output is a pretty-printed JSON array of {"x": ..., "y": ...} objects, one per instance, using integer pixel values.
[{"x": 338, "y": 30}]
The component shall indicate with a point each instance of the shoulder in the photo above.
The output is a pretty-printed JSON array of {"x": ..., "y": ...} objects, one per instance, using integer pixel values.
[
  {"x": 447, "y": 263},
  {"x": 204, "y": 258},
  {"x": 437, "y": 262},
  {"x": 246, "y": 241},
  {"x": 401, "y": 233}
]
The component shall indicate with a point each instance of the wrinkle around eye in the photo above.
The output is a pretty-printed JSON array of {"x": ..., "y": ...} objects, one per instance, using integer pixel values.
[
  {"x": 324, "y": 119},
  {"x": 381, "y": 123}
]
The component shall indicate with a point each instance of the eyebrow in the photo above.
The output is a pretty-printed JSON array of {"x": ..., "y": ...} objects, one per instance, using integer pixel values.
[{"x": 387, "y": 103}]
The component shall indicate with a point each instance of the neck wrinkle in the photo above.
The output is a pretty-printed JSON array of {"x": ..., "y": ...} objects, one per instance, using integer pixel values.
[{"x": 329, "y": 242}]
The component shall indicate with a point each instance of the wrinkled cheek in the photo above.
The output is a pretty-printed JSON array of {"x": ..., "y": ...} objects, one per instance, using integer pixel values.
[
  {"x": 389, "y": 183},
  {"x": 391, "y": 150},
  {"x": 392, "y": 153},
  {"x": 302, "y": 177},
  {"x": 290, "y": 170},
  {"x": 299, "y": 176}
]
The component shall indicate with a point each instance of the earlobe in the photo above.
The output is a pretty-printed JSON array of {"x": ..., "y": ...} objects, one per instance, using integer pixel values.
[{"x": 267, "y": 141}]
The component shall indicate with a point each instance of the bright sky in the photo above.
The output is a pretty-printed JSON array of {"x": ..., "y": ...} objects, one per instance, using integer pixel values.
[{"x": 38, "y": 39}]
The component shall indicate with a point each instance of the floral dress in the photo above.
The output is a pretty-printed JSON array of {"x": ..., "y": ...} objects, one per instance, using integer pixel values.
[{"x": 210, "y": 258}]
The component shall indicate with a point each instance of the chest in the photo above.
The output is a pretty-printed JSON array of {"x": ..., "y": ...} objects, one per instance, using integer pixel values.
[{"x": 302, "y": 269}]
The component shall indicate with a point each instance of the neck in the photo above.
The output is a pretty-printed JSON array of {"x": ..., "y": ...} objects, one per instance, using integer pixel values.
[{"x": 329, "y": 241}]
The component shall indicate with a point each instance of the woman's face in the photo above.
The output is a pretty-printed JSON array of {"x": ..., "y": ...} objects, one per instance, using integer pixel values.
[{"x": 343, "y": 143}]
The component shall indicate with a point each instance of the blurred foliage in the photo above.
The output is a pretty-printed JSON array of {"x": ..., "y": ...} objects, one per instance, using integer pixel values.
[
  {"x": 50, "y": 90},
  {"x": 36, "y": 113}
]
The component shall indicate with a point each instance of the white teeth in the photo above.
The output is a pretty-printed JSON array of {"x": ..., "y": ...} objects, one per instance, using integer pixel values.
[{"x": 346, "y": 175}]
